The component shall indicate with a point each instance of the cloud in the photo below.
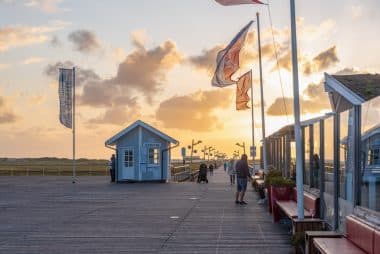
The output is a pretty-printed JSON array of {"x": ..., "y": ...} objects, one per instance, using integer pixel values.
[
  {"x": 314, "y": 100},
  {"x": 139, "y": 38},
  {"x": 356, "y": 12},
  {"x": 6, "y": 114},
  {"x": 322, "y": 61},
  {"x": 4, "y": 66},
  {"x": 349, "y": 71},
  {"x": 141, "y": 75},
  {"x": 49, "y": 6},
  {"x": 118, "y": 115},
  {"x": 82, "y": 76},
  {"x": 55, "y": 42},
  {"x": 33, "y": 60},
  {"x": 36, "y": 99},
  {"x": 194, "y": 111},
  {"x": 207, "y": 60},
  {"x": 84, "y": 41},
  {"x": 144, "y": 70},
  {"x": 21, "y": 36}
]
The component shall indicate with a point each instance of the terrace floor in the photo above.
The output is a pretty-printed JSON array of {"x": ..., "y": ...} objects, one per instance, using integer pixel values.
[{"x": 52, "y": 215}]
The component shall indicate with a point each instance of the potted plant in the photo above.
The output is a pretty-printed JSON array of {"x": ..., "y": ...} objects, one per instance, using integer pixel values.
[{"x": 298, "y": 241}]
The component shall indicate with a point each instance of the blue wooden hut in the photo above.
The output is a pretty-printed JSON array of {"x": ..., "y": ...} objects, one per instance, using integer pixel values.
[{"x": 142, "y": 153}]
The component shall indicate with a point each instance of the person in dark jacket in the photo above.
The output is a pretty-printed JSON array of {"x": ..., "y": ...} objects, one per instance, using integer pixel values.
[
  {"x": 242, "y": 174},
  {"x": 211, "y": 169},
  {"x": 112, "y": 166}
]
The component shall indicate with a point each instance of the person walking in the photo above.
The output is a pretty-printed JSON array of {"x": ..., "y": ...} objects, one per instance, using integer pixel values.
[
  {"x": 242, "y": 173},
  {"x": 225, "y": 165},
  {"x": 211, "y": 169},
  {"x": 231, "y": 171},
  {"x": 112, "y": 167}
]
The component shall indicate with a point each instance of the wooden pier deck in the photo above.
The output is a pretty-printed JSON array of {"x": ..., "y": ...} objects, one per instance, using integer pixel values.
[{"x": 52, "y": 215}]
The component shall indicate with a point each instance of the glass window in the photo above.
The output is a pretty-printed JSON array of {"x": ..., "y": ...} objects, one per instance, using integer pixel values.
[
  {"x": 328, "y": 195},
  {"x": 346, "y": 166},
  {"x": 153, "y": 156},
  {"x": 315, "y": 163},
  {"x": 374, "y": 153},
  {"x": 306, "y": 175},
  {"x": 128, "y": 158},
  {"x": 370, "y": 149}
]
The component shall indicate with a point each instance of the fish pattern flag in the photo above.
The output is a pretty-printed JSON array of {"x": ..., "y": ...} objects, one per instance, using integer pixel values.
[
  {"x": 236, "y": 2},
  {"x": 242, "y": 87},
  {"x": 66, "y": 83},
  {"x": 227, "y": 60}
]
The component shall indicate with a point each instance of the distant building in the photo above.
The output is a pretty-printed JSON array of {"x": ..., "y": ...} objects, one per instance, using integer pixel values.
[{"x": 142, "y": 153}]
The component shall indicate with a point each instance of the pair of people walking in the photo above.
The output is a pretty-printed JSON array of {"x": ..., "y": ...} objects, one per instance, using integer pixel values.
[{"x": 241, "y": 170}]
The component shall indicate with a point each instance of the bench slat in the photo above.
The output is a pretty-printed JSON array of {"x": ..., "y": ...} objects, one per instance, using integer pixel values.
[
  {"x": 336, "y": 245},
  {"x": 290, "y": 209}
]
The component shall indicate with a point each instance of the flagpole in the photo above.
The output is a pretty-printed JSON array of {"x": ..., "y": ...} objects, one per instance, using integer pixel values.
[
  {"x": 264, "y": 155},
  {"x": 253, "y": 126},
  {"x": 74, "y": 126},
  {"x": 297, "y": 124}
]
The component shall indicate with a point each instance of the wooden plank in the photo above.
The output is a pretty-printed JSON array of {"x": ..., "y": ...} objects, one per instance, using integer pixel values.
[{"x": 52, "y": 215}]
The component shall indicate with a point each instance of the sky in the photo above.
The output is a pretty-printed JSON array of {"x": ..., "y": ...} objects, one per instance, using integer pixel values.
[{"x": 154, "y": 60}]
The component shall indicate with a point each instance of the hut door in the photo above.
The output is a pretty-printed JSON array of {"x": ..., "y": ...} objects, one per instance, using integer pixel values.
[{"x": 128, "y": 171}]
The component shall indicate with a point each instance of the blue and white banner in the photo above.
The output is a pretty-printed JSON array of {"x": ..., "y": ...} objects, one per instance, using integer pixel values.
[{"x": 66, "y": 97}]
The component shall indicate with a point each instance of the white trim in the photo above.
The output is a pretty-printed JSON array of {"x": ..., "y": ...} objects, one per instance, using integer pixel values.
[
  {"x": 112, "y": 140},
  {"x": 332, "y": 84}
]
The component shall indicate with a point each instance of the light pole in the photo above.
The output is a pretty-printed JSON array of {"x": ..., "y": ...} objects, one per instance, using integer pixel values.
[
  {"x": 204, "y": 151},
  {"x": 243, "y": 146},
  {"x": 210, "y": 148},
  {"x": 192, "y": 148}
]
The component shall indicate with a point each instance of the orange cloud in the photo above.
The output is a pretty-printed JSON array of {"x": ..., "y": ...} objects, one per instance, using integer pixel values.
[
  {"x": 6, "y": 114},
  {"x": 314, "y": 100},
  {"x": 194, "y": 111}
]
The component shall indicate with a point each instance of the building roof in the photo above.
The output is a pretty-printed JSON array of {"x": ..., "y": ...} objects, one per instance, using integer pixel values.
[
  {"x": 367, "y": 86},
  {"x": 346, "y": 91},
  {"x": 113, "y": 140},
  {"x": 290, "y": 128}
]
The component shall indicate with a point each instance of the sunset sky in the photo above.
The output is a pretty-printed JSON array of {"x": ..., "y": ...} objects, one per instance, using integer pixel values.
[{"x": 154, "y": 60}]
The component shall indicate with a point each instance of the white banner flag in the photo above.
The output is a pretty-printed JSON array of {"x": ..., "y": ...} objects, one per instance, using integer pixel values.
[{"x": 66, "y": 97}]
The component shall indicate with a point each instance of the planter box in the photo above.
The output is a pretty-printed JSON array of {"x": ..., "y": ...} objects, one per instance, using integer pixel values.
[{"x": 279, "y": 193}]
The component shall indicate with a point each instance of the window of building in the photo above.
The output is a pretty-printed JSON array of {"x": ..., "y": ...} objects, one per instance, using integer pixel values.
[
  {"x": 128, "y": 158},
  {"x": 153, "y": 155},
  {"x": 374, "y": 153},
  {"x": 315, "y": 163},
  {"x": 306, "y": 175},
  {"x": 328, "y": 195},
  {"x": 370, "y": 149}
]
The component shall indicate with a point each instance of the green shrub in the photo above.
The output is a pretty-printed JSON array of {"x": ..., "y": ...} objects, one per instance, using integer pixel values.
[
  {"x": 272, "y": 173},
  {"x": 282, "y": 181}
]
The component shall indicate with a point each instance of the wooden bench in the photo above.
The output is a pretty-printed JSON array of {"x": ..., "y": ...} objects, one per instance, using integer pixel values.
[
  {"x": 258, "y": 180},
  {"x": 361, "y": 237},
  {"x": 284, "y": 200}
]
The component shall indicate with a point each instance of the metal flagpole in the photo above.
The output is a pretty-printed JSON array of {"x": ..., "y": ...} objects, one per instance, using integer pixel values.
[
  {"x": 253, "y": 126},
  {"x": 73, "y": 124},
  {"x": 297, "y": 125},
  {"x": 264, "y": 155}
]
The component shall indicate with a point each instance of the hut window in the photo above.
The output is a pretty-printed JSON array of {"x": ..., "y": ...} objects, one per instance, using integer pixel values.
[
  {"x": 128, "y": 158},
  {"x": 153, "y": 155}
]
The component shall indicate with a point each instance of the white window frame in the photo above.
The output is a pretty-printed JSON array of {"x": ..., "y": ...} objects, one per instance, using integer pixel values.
[
  {"x": 131, "y": 162},
  {"x": 155, "y": 148}
]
